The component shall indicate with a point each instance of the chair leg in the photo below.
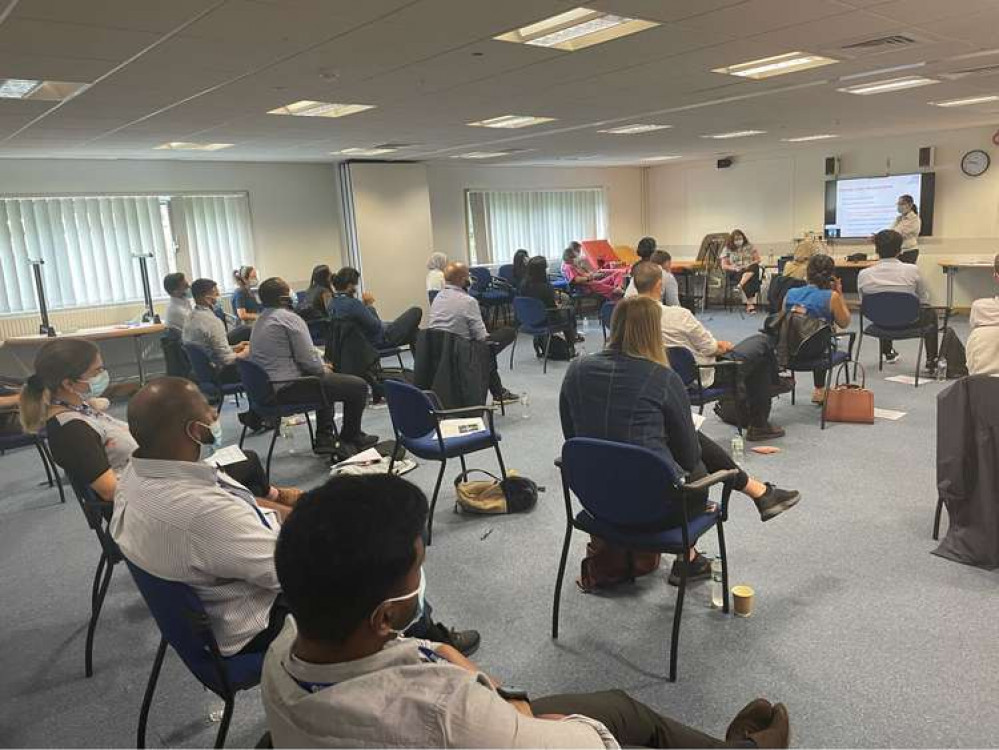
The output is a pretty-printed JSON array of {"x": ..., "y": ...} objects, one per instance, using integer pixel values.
[
  {"x": 499, "y": 459},
  {"x": 464, "y": 469},
  {"x": 936, "y": 519},
  {"x": 558, "y": 581},
  {"x": 919, "y": 359},
  {"x": 147, "y": 699},
  {"x": 548, "y": 343},
  {"x": 724, "y": 561},
  {"x": 513, "y": 348},
  {"x": 98, "y": 595},
  {"x": 794, "y": 387},
  {"x": 45, "y": 463},
  {"x": 270, "y": 451},
  {"x": 677, "y": 614},
  {"x": 826, "y": 399},
  {"x": 242, "y": 437},
  {"x": 230, "y": 704},
  {"x": 399, "y": 357},
  {"x": 433, "y": 504},
  {"x": 312, "y": 434},
  {"x": 55, "y": 471}
]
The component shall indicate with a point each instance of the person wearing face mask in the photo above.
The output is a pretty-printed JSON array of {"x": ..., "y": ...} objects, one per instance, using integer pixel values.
[
  {"x": 204, "y": 329},
  {"x": 244, "y": 298},
  {"x": 341, "y": 673},
  {"x": 179, "y": 306},
  {"x": 92, "y": 446},
  {"x": 741, "y": 260},
  {"x": 345, "y": 305},
  {"x": 909, "y": 225}
]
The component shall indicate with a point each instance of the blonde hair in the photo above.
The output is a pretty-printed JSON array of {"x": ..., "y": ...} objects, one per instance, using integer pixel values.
[
  {"x": 58, "y": 360},
  {"x": 636, "y": 329},
  {"x": 806, "y": 249}
]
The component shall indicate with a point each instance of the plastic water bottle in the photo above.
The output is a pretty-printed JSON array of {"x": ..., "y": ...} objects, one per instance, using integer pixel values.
[
  {"x": 738, "y": 449},
  {"x": 288, "y": 436},
  {"x": 525, "y": 405},
  {"x": 716, "y": 583},
  {"x": 941, "y": 370}
]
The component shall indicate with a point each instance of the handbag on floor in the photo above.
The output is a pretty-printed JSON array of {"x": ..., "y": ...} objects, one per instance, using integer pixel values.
[
  {"x": 606, "y": 565},
  {"x": 848, "y": 401},
  {"x": 494, "y": 496}
]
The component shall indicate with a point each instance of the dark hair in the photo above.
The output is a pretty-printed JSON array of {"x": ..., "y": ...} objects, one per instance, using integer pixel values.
[
  {"x": 322, "y": 276},
  {"x": 646, "y": 246},
  {"x": 345, "y": 549},
  {"x": 272, "y": 291},
  {"x": 821, "y": 271},
  {"x": 201, "y": 287},
  {"x": 520, "y": 264},
  {"x": 241, "y": 274},
  {"x": 345, "y": 277},
  {"x": 888, "y": 243},
  {"x": 660, "y": 256},
  {"x": 730, "y": 240},
  {"x": 908, "y": 199},
  {"x": 56, "y": 361},
  {"x": 172, "y": 282},
  {"x": 537, "y": 269},
  {"x": 645, "y": 275}
]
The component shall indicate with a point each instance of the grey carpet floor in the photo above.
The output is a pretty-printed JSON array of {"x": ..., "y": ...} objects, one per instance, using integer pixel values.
[{"x": 869, "y": 639}]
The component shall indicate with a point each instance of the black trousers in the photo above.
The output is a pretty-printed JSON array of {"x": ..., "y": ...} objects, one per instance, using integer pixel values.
[
  {"x": 498, "y": 340},
  {"x": 349, "y": 389},
  {"x": 239, "y": 334},
  {"x": 930, "y": 338},
  {"x": 633, "y": 724},
  {"x": 752, "y": 287},
  {"x": 402, "y": 330},
  {"x": 759, "y": 372}
]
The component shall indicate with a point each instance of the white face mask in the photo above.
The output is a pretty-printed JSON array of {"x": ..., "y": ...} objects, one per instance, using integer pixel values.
[
  {"x": 738, "y": 242},
  {"x": 903, "y": 209},
  {"x": 420, "y": 594}
]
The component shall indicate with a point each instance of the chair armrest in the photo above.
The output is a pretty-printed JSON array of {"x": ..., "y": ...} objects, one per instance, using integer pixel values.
[
  {"x": 722, "y": 363},
  {"x": 297, "y": 380},
  {"x": 435, "y": 398},
  {"x": 852, "y": 335},
  {"x": 462, "y": 410},
  {"x": 710, "y": 480}
]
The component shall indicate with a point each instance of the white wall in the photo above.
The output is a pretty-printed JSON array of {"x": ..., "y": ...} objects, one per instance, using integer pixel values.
[
  {"x": 447, "y": 197},
  {"x": 776, "y": 196}
]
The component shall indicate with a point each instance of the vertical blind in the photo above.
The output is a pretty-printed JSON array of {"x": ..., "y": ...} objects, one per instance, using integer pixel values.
[
  {"x": 542, "y": 222},
  {"x": 88, "y": 245}
]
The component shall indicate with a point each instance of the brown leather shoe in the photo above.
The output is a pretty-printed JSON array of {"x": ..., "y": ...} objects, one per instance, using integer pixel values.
[
  {"x": 767, "y": 432},
  {"x": 288, "y": 495},
  {"x": 755, "y": 717},
  {"x": 778, "y": 734}
]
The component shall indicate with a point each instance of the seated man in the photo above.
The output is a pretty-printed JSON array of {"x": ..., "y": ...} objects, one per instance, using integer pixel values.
[
  {"x": 283, "y": 347},
  {"x": 350, "y": 562},
  {"x": 181, "y": 519},
  {"x": 671, "y": 290},
  {"x": 890, "y": 274},
  {"x": 204, "y": 329},
  {"x": 346, "y": 306},
  {"x": 179, "y": 307},
  {"x": 759, "y": 371},
  {"x": 983, "y": 341},
  {"x": 456, "y": 311}
]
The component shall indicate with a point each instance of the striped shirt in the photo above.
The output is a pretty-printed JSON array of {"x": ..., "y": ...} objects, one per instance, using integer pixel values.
[
  {"x": 189, "y": 522},
  {"x": 205, "y": 329}
]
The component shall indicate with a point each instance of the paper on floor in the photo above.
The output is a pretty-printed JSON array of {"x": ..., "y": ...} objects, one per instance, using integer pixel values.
[
  {"x": 698, "y": 420},
  {"x": 889, "y": 413},
  {"x": 907, "y": 379}
]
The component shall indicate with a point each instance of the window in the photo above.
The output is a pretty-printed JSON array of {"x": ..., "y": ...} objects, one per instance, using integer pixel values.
[
  {"x": 542, "y": 222},
  {"x": 88, "y": 243}
]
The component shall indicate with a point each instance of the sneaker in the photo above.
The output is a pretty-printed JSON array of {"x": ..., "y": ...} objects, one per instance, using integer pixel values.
[
  {"x": 755, "y": 717},
  {"x": 698, "y": 569},
  {"x": 775, "y": 501},
  {"x": 778, "y": 734},
  {"x": 892, "y": 357},
  {"x": 766, "y": 432},
  {"x": 506, "y": 397},
  {"x": 326, "y": 444},
  {"x": 465, "y": 641}
]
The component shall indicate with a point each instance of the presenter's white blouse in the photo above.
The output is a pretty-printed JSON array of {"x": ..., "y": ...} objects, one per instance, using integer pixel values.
[{"x": 909, "y": 226}]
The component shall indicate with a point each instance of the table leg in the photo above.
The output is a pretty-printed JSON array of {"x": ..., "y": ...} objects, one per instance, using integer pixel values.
[
  {"x": 949, "y": 272},
  {"x": 138, "y": 359}
]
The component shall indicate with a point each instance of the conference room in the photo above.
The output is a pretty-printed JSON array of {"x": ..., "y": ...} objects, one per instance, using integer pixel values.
[{"x": 432, "y": 373}]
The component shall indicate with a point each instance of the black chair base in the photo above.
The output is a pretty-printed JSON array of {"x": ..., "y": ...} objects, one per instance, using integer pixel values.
[
  {"x": 98, "y": 592},
  {"x": 936, "y": 519}
]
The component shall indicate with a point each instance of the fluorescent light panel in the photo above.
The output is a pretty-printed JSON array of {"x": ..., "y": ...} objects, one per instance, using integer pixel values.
[
  {"x": 634, "y": 129},
  {"x": 309, "y": 108},
  {"x": 511, "y": 121},
  {"x": 807, "y": 138},
  {"x": 734, "y": 134},
  {"x": 186, "y": 146},
  {"x": 967, "y": 102},
  {"x": 362, "y": 151},
  {"x": 47, "y": 91},
  {"x": 888, "y": 86},
  {"x": 576, "y": 29},
  {"x": 481, "y": 155},
  {"x": 778, "y": 65},
  {"x": 669, "y": 157}
]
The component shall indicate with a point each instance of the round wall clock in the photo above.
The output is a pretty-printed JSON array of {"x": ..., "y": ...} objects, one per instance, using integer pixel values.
[{"x": 975, "y": 163}]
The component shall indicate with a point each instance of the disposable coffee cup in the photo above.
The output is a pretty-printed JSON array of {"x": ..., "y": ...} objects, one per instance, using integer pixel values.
[{"x": 742, "y": 599}]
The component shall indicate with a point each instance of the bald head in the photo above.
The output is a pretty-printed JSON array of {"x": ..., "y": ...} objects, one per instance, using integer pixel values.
[
  {"x": 160, "y": 418},
  {"x": 456, "y": 274}
]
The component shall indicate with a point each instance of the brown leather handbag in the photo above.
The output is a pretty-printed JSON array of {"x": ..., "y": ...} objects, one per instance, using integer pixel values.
[{"x": 848, "y": 401}]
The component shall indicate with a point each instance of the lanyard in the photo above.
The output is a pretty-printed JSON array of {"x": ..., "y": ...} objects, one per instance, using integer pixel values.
[{"x": 83, "y": 408}]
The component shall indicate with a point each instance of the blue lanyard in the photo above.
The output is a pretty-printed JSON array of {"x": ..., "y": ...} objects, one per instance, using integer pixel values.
[
  {"x": 237, "y": 493},
  {"x": 83, "y": 408}
]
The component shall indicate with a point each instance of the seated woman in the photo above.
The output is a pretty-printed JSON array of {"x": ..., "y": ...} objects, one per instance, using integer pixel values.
[
  {"x": 797, "y": 267},
  {"x": 822, "y": 298},
  {"x": 560, "y": 308},
  {"x": 435, "y": 272},
  {"x": 244, "y": 299},
  {"x": 608, "y": 283},
  {"x": 520, "y": 259},
  {"x": 319, "y": 294},
  {"x": 741, "y": 260},
  {"x": 628, "y": 393},
  {"x": 63, "y": 395}
]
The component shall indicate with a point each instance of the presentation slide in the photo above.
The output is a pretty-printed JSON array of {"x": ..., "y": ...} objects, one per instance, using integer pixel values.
[{"x": 867, "y": 205}]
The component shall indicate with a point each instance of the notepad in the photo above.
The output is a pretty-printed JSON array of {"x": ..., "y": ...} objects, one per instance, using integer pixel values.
[
  {"x": 451, "y": 428},
  {"x": 231, "y": 454}
]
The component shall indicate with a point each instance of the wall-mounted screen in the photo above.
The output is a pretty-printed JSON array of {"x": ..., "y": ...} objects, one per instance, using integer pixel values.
[{"x": 858, "y": 207}]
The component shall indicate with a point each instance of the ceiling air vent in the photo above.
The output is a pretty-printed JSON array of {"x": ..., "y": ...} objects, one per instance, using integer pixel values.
[
  {"x": 858, "y": 47},
  {"x": 882, "y": 42},
  {"x": 985, "y": 70}
]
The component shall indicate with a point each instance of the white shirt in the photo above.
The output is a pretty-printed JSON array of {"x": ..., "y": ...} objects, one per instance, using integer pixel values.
[
  {"x": 681, "y": 328},
  {"x": 909, "y": 226},
  {"x": 671, "y": 289},
  {"x": 435, "y": 280},
  {"x": 177, "y": 312},
  {"x": 188, "y": 522},
  {"x": 892, "y": 275},
  {"x": 982, "y": 351},
  {"x": 984, "y": 312}
]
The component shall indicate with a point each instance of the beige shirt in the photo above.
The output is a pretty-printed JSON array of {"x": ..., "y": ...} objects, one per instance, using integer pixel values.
[
  {"x": 909, "y": 226},
  {"x": 984, "y": 312},
  {"x": 982, "y": 351},
  {"x": 681, "y": 328},
  {"x": 403, "y": 696}
]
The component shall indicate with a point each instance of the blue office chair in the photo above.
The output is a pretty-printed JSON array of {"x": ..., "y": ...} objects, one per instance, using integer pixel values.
[
  {"x": 184, "y": 625},
  {"x": 682, "y": 362},
  {"x": 535, "y": 321},
  {"x": 98, "y": 515},
  {"x": 416, "y": 421},
  {"x": 606, "y": 313},
  {"x": 319, "y": 330},
  {"x": 505, "y": 272},
  {"x": 491, "y": 294},
  {"x": 300, "y": 299},
  {"x": 819, "y": 352},
  {"x": 559, "y": 282},
  {"x": 39, "y": 440},
  {"x": 894, "y": 316},
  {"x": 267, "y": 402},
  {"x": 632, "y": 497},
  {"x": 207, "y": 378}
]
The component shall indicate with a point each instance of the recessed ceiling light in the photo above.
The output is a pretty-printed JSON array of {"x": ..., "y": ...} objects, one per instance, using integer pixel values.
[
  {"x": 806, "y": 138},
  {"x": 48, "y": 91},
  {"x": 734, "y": 134},
  {"x": 481, "y": 155},
  {"x": 362, "y": 151},
  {"x": 967, "y": 102},
  {"x": 511, "y": 121},
  {"x": 185, "y": 146},
  {"x": 634, "y": 129},
  {"x": 892, "y": 84},
  {"x": 576, "y": 29},
  {"x": 669, "y": 157},
  {"x": 309, "y": 108},
  {"x": 778, "y": 65}
]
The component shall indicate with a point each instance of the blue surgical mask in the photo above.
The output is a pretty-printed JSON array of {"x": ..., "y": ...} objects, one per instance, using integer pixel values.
[
  {"x": 97, "y": 384},
  {"x": 420, "y": 595},
  {"x": 187, "y": 294},
  {"x": 215, "y": 440}
]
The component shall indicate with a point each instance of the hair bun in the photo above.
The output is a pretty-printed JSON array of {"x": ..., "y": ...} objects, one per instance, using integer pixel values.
[{"x": 35, "y": 383}]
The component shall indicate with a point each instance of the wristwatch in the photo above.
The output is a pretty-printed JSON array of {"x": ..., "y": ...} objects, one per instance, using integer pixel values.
[{"x": 512, "y": 693}]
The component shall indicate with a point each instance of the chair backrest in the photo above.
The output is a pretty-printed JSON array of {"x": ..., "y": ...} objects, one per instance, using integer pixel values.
[
  {"x": 530, "y": 311},
  {"x": 606, "y": 313},
  {"x": 682, "y": 362},
  {"x": 891, "y": 309},
  {"x": 300, "y": 298},
  {"x": 506, "y": 272},
  {"x": 256, "y": 383},
  {"x": 318, "y": 330},
  {"x": 201, "y": 364},
  {"x": 96, "y": 511},
  {"x": 177, "y": 362},
  {"x": 432, "y": 295},
  {"x": 410, "y": 408},
  {"x": 481, "y": 278},
  {"x": 643, "y": 488},
  {"x": 184, "y": 624}
]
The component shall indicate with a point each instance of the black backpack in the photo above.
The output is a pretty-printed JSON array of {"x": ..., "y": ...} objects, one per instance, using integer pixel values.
[{"x": 558, "y": 351}]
